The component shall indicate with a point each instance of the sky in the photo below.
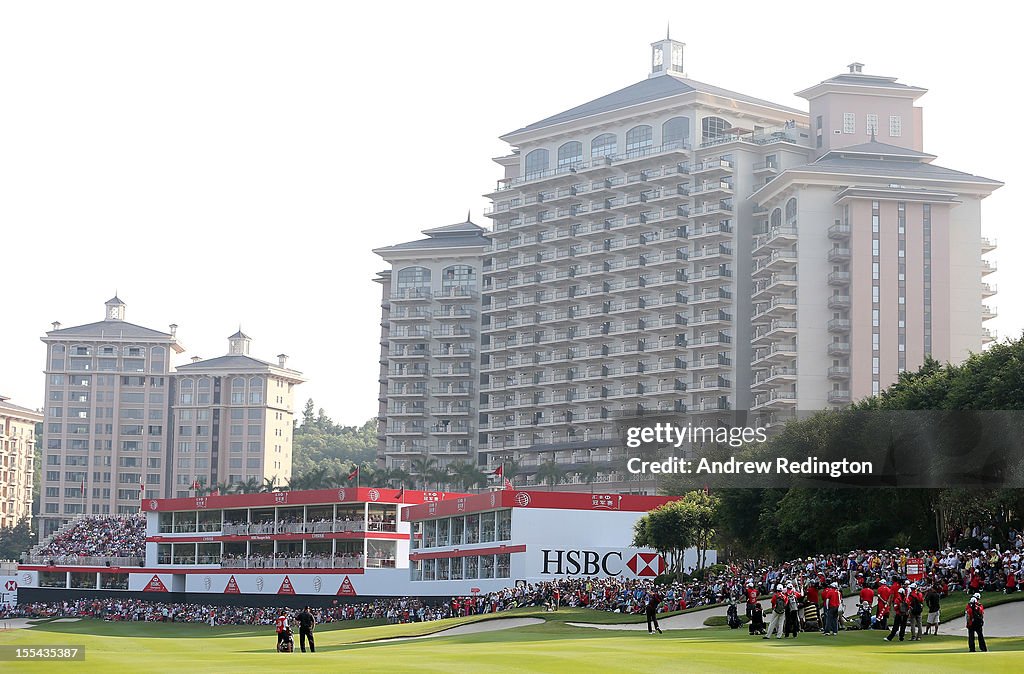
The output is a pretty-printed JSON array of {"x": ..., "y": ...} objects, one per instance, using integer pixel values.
[{"x": 226, "y": 164}]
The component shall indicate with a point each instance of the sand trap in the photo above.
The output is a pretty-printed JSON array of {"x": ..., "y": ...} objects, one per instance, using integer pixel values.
[
  {"x": 67, "y": 620},
  {"x": 16, "y": 623},
  {"x": 471, "y": 628},
  {"x": 1005, "y": 620}
]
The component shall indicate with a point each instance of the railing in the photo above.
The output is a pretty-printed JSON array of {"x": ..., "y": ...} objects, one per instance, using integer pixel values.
[
  {"x": 75, "y": 560},
  {"x": 342, "y": 562}
]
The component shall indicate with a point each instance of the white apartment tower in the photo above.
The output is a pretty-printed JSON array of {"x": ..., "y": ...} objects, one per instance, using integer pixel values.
[
  {"x": 675, "y": 247},
  {"x": 430, "y": 348}
]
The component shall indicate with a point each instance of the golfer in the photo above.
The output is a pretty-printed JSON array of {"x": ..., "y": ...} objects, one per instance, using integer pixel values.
[
  {"x": 975, "y": 623},
  {"x": 653, "y": 599},
  {"x": 306, "y": 623}
]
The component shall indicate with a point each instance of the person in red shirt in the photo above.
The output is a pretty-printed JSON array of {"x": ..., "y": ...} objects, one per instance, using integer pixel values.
[
  {"x": 832, "y": 598},
  {"x": 916, "y": 600},
  {"x": 900, "y": 612},
  {"x": 1011, "y": 583},
  {"x": 975, "y": 622},
  {"x": 867, "y": 595},
  {"x": 281, "y": 622},
  {"x": 751, "y": 593}
]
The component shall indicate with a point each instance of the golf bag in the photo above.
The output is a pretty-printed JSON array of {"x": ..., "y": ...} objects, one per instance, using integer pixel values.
[
  {"x": 812, "y": 618},
  {"x": 287, "y": 644}
]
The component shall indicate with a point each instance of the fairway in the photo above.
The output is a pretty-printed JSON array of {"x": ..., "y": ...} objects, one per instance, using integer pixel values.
[{"x": 551, "y": 646}]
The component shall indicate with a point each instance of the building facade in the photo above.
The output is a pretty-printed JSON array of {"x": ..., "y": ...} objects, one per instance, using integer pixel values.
[
  {"x": 678, "y": 248},
  {"x": 232, "y": 419},
  {"x": 106, "y": 416},
  {"x": 17, "y": 461},
  {"x": 119, "y": 419},
  {"x": 430, "y": 349}
]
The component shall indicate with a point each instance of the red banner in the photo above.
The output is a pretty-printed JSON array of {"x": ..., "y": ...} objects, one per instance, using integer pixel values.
[{"x": 915, "y": 568}]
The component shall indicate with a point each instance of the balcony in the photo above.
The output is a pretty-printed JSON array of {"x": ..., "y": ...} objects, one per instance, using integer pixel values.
[
  {"x": 766, "y": 168},
  {"x": 839, "y": 231},
  {"x": 773, "y": 330},
  {"x": 987, "y": 245},
  {"x": 839, "y": 302},
  {"x": 837, "y": 397},
  {"x": 988, "y": 289},
  {"x": 988, "y": 313},
  {"x": 712, "y": 166},
  {"x": 775, "y": 262},
  {"x": 839, "y": 325},
  {"x": 776, "y": 237},
  {"x": 988, "y": 335},
  {"x": 774, "y": 375},
  {"x": 839, "y": 349},
  {"x": 987, "y": 267},
  {"x": 774, "y": 353},
  {"x": 711, "y": 187},
  {"x": 410, "y": 294},
  {"x": 839, "y": 278},
  {"x": 838, "y": 372},
  {"x": 774, "y": 399},
  {"x": 839, "y": 255}
]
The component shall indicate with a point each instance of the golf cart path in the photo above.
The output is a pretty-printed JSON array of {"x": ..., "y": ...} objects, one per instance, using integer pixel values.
[
  {"x": 1005, "y": 620},
  {"x": 470, "y": 628}
]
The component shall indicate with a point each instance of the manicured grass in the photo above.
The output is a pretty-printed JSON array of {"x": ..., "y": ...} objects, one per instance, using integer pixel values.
[{"x": 549, "y": 647}]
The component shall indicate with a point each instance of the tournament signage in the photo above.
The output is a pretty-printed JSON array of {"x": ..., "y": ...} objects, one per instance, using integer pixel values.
[
  {"x": 155, "y": 585},
  {"x": 286, "y": 586},
  {"x": 346, "y": 589},
  {"x": 232, "y": 586},
  {"x": 915, "y": 568},
  {"x": 603, "y": 562}
]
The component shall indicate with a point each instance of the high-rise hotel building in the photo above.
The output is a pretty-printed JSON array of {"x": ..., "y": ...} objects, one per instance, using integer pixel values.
[
  {"x": 430, "y": 348},
  {"x": 108, "y": 426},
  {"x": 677, "y": 247},
  {"x": 17, "y": 461}
]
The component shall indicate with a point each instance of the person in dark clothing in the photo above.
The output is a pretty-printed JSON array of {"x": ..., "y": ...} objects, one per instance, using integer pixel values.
[
  {"x": 306, "y": 623},
  {"x": 975, "y": 623},
  {"x": 757, "y": 625},
  {"x": 653, "y": 599},
  {"x": 931, "y": 598}
]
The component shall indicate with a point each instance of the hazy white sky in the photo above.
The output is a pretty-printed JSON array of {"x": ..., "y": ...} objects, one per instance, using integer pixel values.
[{"x": 226, "y": 163}]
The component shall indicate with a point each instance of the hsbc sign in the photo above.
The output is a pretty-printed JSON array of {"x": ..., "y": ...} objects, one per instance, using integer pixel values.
[{"x": 600, "y": 562}]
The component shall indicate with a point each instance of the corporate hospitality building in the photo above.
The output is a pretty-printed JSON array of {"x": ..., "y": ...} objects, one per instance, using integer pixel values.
[
  {"x": 356, "y": 543},
  {"x": 17, "y": 461},
  {"x": 674, "y": 247},
  {"x": 119, "y": 419}
]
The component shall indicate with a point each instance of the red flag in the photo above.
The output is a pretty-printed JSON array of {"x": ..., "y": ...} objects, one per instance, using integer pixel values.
[
  {"x": 499, "y": 472},
  {"x": 195, "y": 484},
  {"x": 401, "y": 494},
  {"x": 142, "y": 490},
  {"x": 508, "y": 484},
  {"x": 354, "y": 475},
  {"x": 83, "y": 486}
]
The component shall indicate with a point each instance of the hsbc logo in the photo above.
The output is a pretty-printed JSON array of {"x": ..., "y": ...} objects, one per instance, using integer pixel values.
[
  {"x": 581, "y": 563},
  {"x": 280, "y": 497},
  {"x": 11, "y": 585},
  {"x": 374, "y": 495},
  {"x": 647, "y": 564}
]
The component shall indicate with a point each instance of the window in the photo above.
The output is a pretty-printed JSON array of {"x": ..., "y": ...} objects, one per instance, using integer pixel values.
[
  {"x": 256, "y": 391},
  {"x": 895, "y": 126},
  {"x": 459, "y": 276},
  {"x": 849, "y": 122},
  {"x": 237, "y": 391},
  {"x": 639, "y": 138},
  {"x": 713, "y": 128},
  {"x": 776, "y": 218},
  {"x": 872, "y": 125},
  {"x": 791, "y": 211},
  {"x": 570, "y": 154},
  {"x": 203, "y": 396},
  {"x": 604, "y": 145},
  {"x": 675, "y": 132},
  {"x": 185, "y": 393},
  {"x": 536, "y": 162},
  {"x": 413, "y": 277}
]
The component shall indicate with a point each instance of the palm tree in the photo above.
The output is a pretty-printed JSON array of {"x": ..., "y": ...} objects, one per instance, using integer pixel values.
[
  {"x": 269, "y": 485},
  {"x": 224, "y": 488},
  {"x": 466, "y": 475},
  {"x": 402, "y": 478},
  {"x": 510, "y": 469},
  {"x": 551, "y": 473},
  {"x": 437, "y": 476},
  {"x": 337, "y": 478},
  {"x": 421, "y": 466},
  {"x": 379, "y": 477},
  {"x": 297, "y": 482},
  {"x": 250, "y": 486},
  {"x": 589, "y": 473}
]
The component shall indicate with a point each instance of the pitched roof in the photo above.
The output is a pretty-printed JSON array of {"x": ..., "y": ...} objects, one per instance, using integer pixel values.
[
  {"x": 17, "y": 409},
  {"x": 230, "y": 361},
  {"x": 109, "y": 328},
  {"x": 239, "y": 335},
  {"x": 877, "y": 149},
  {"x": 888, "y": 168},
  {"x": 116, "y": 301},
  {"x": 460, "y": 235},
  {"x": 651, "y": 89},
  {"x": 869, "y": 80}
]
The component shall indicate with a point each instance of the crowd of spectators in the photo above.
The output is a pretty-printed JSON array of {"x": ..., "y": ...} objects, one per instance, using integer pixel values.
[{"x": 97, "y": 536}]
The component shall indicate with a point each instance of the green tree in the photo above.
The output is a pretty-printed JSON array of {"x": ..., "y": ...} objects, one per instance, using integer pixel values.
[
  {"x": 16, "y": 540},
  {"x": 550, "y": 473},
  {"x": 466, "y": 476}
]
